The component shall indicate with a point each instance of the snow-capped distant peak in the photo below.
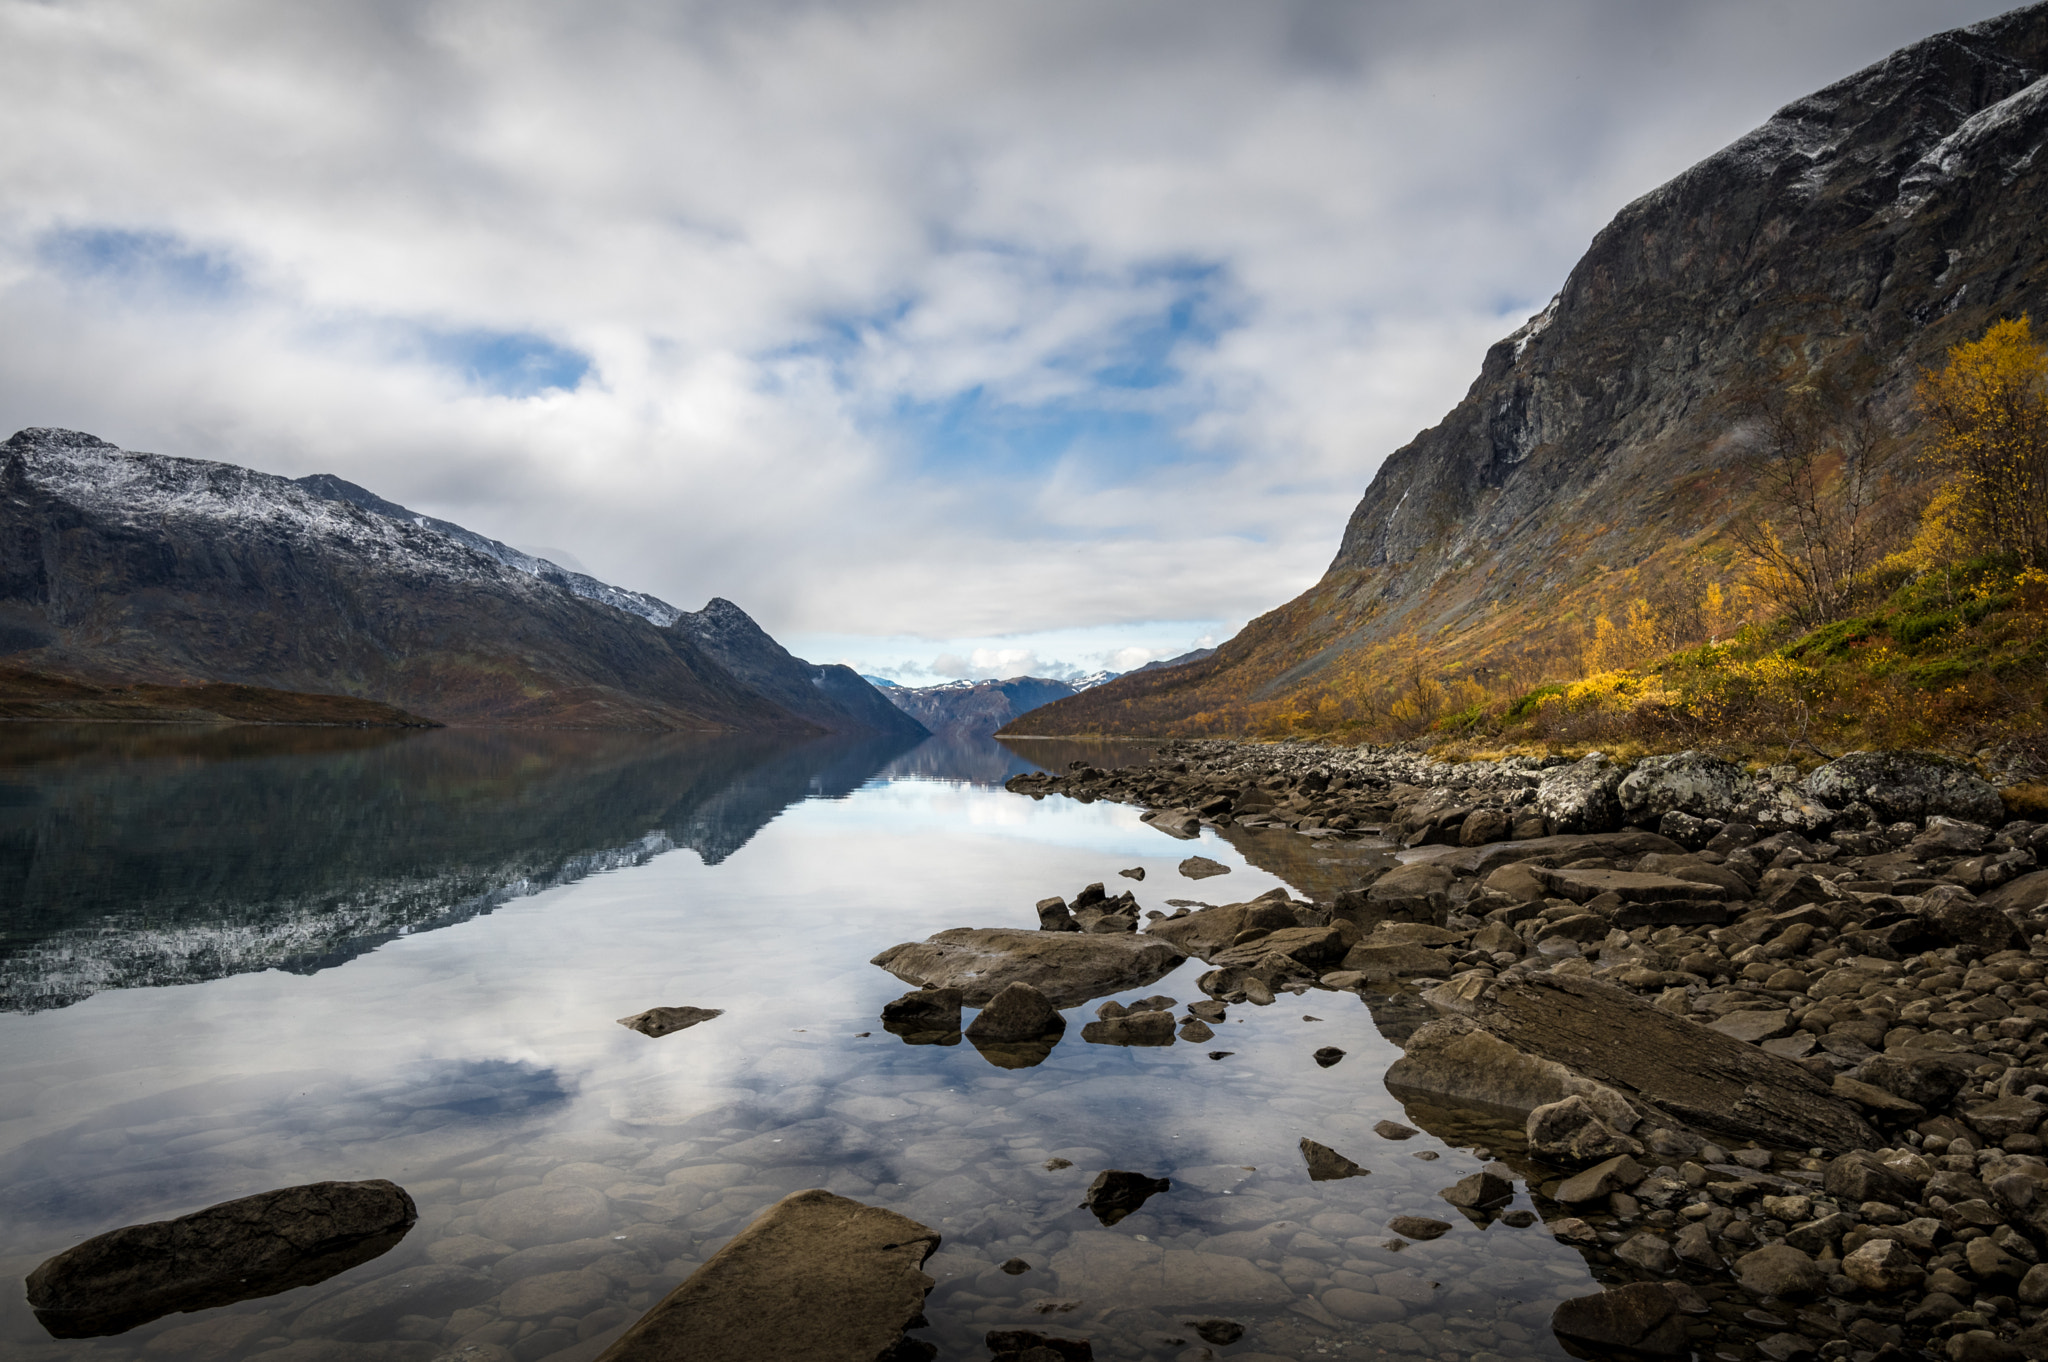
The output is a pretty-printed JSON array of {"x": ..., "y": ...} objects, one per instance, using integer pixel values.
[{"x": 1092, "y": 680}]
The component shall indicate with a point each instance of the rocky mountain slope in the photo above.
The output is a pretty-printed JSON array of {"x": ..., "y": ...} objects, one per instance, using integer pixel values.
[
  {"x": 1861, "y": 231},
  {"x": 833, "y": 697},
  {"x": 976, "y": 707},
  {"x": 118, "y": 567}
]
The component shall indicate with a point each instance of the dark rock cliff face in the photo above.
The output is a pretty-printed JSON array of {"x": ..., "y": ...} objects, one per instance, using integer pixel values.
[
  {"x": 833, "y": 697},
  {"x": 1862, "y": 230},
  {"x": 976, "y": 708},
  {"x": 138, "y": 567}
]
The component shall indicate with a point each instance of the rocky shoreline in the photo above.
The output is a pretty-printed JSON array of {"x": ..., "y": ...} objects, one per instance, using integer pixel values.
[{"x": 1777, "y": 1036}]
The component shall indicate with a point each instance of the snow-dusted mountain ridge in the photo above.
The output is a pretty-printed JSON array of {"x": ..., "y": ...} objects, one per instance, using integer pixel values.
[{"x": 128, "y": 567}]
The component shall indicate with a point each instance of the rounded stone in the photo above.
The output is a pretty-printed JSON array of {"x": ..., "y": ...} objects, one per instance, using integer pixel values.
[
  {"x": 531, "y": 1216},
  {"x": 1884, "y": 1265},
  {"x": 1779, "y": 1270},
  {"x": 554, "y": 1293},
  {"x": 1363, "y": 1307}
]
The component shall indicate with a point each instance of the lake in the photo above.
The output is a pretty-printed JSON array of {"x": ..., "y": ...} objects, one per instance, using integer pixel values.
[{"x": 239, "y": 959}]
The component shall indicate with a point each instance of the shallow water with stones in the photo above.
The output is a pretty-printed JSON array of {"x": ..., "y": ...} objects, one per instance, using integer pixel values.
[{"x": 234, "y": 963}]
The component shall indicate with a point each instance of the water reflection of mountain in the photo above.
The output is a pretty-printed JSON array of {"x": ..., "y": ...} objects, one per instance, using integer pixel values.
[
  {"x": 977, "y": 760},
  {"x": 134, "y": 857}
]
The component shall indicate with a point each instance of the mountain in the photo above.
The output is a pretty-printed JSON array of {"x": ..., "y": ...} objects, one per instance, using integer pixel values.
[
  {"x": 878, "y": 682},
  {"x": 835, "y": 698},
  {"x": 656, "y": 612},
  {"x": 1597, "y": 458},
  {"x": 1092, "y": 680},
  {"x": 124, "y": 569},
  {"x": 1196, "y": 656},
  {"x": 976, "y": 707}
]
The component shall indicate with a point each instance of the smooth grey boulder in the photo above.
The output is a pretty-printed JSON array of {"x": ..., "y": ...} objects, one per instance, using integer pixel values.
[
  {"x": 1018, "y": 1013},
  {"x": 237, "y": 1250},
  {"x": 1684, "y": 782},
  {"x": 818, "y": 1277},
  {"x": 662, "y": 1021},
  {"x": 1069, "y": 968},
  {"x": 1903, "y": 785}
]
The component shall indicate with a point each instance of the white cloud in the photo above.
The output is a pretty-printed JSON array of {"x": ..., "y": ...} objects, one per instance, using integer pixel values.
[{"x": 879, "y": 301}]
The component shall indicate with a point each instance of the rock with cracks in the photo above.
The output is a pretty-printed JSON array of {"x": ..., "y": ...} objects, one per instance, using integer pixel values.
[
  {"x": 1520, "y": 1048},
  {"x": 254, "y": 1246},
  {"x": 818, "y": 1277}
]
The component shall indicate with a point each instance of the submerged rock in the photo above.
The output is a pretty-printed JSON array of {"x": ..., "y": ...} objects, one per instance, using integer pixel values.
[
  {"x": 818, "y": 1276},
  {"x": 1069, "y": 968},
  {"x": 238, "y": 1250},
  {"x": 1116, "y": 1193},
  {"x": 1028, "y": 1345},
  {"x": 662, "y": 1021},
  {"x": 1201, "y": 868}
]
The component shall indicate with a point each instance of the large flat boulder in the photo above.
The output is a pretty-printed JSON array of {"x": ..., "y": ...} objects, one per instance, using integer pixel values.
[
  {"x": 254, "y": 1246},
  {"x": 1595, "y": 1031},
  {"x": 1559, "y": 850},
  {"x": 1581, "y": 886},
  {"x": 1206, "y": 931},
  {"x": 818, "y": 1277},
  {"x": 1069, "y": 968}
]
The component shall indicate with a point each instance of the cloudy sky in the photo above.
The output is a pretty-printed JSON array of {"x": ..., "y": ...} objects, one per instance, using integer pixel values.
[{"x": 947, "y": 338}]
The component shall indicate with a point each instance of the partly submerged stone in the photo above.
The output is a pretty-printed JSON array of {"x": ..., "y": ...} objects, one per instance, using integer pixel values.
[
  {"x": 1206, "y": 931},
  {"x": 923, "y": 1010},
  {"x": 1201, "y": 868},
  {"x": 1116, "y": 1193},
  {"x": 818, "y": 1276},
  {"x": 1018, "y": 1013},
  {"x": 238, "y": 1250},
  {"x": 1327, "y": 1165},
  {"x": 661, "y": 1021},
  {"x": 1069, "y": 968},
  {"x": 1136, "y": 1028}
]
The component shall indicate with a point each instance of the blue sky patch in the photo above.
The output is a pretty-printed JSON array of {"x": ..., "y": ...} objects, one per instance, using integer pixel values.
[
  {"x": 507, "y": 363},
  {"x": 152, "y": 262}
]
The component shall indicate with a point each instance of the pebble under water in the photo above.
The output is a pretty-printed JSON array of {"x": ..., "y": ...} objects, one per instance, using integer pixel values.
[{"x": 186, "y": 1023}]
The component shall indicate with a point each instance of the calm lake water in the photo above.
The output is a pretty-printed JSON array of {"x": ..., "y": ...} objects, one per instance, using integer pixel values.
[{"x": 233, "y": 960}]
